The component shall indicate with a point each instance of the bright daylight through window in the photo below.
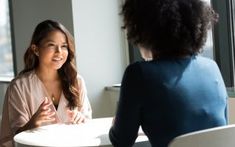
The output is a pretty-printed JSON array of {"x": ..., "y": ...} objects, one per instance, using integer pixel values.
[
  {"x": 6, "y": 57},
  {"x": 208, "y": 47}
]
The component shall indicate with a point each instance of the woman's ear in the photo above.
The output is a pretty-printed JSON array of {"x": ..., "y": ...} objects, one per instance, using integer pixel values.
[
  {"x": 146, "y": 54},
  {"x": 35, "y": 49}
]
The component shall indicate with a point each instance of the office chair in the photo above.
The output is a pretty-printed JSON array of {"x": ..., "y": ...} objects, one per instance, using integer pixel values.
[{"x": 223, "y": 136}]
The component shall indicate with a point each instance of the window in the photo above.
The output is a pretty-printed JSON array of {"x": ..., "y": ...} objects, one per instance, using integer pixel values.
[
  {"x": 6, "y": 56},
  {"x": 223, "y": 39},
  {"x": 208, "y": 49}
]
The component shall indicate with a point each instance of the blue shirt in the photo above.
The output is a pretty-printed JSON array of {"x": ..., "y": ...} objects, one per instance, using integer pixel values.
[{"x": 169, "y": 97}]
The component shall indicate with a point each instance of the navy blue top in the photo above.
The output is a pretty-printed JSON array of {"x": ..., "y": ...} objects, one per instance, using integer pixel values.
[{"x": 169, "y": 97}]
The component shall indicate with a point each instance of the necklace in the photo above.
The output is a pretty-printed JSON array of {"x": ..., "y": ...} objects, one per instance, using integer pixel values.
[
  {"x": 54, "y": 99},
  {"x": 55, "y": 103}
]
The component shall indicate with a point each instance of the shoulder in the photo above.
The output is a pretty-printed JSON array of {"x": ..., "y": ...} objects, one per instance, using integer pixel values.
[
  {"x": 204, "y": 60},
  {"x": 18, "y": 87},
  {"x": 81, "y": 82},
  {"x": 22, "y": 80},
  {"x": 80, "y": 79},
  {"x": 206, "y": 63},
  {"x": 141, "y": 68},
  {"x": 134, "y": 67},
  {"x": 134, "y": 72}
]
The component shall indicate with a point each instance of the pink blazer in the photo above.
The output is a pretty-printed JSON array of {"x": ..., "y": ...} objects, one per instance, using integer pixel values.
[{"x": 23, "y": 97}]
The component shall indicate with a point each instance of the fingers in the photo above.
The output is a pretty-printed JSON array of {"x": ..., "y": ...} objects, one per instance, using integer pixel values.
[
  {"x": 45, "y": 120},
  {"x": 47, "y": 114},
  {"x": 76, "y": 117},
  {"x": 80, "y": 118},
  {"x": 45, "y": 104},
  {"x": 44, "y": 108},
  {"x": 44, "y": 114}
]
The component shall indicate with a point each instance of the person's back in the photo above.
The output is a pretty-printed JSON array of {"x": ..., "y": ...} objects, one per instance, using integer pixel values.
[
  {"x": 179, "y": 96},
  {"x": 178, "y": 91},
  {"x": 171, "y": 97}
]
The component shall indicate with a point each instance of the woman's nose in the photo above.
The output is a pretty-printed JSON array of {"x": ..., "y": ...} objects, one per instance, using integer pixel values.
[{"x": 58, "y": 49}]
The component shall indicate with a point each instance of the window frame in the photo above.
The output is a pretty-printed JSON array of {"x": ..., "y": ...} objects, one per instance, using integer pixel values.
[{"x": 224, "y": 40}]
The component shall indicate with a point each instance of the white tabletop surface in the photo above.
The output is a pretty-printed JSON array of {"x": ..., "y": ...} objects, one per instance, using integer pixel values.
[{"x": 92, "y": 133}]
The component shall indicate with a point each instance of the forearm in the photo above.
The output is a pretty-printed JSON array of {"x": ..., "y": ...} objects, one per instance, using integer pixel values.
[
  {"x": 27, "y": 126},
  {"x": 118, "y": 141}
]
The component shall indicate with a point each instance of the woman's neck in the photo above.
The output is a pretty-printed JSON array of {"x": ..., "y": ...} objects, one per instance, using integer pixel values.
[{"x": 47, "y": 75}]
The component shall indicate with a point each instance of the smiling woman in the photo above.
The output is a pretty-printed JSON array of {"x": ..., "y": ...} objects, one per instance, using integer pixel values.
[{"x": 48, "y": 90}]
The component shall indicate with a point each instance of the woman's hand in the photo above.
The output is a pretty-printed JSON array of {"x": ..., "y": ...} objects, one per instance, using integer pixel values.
[
  {"x": 75, "y": 117},
  {"x": 43, "y": 115}
]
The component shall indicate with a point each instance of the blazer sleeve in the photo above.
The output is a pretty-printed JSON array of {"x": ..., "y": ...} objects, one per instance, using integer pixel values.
[
  {"x": 15, "y": 114},
  {"x": 86, "y": 108},
  {"x": 128, "y": 116}
]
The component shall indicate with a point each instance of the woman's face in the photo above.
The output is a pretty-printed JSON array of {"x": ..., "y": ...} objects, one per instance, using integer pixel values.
[{"x": 52, "y": 51}]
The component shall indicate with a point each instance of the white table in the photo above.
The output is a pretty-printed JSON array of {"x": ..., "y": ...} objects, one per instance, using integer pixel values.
[{"x": 91, "y": 133}]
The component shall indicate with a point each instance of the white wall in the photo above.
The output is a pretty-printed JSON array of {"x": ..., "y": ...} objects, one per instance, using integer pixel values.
[{"x": 101, "y": 49}]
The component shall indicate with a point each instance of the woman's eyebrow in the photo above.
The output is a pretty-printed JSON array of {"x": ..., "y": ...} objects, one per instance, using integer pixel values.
[{"x": 49, "y": 40}]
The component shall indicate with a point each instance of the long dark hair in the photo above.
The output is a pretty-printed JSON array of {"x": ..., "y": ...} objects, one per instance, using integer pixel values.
[{"x": 67, "y": 73}]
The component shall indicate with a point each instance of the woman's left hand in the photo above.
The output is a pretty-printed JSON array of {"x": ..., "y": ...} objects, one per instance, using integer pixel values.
[{"x": 76, "y": 117}]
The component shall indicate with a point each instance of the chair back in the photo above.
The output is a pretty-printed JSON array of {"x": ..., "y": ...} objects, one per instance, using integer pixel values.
[{"x": 223, "y": 136}]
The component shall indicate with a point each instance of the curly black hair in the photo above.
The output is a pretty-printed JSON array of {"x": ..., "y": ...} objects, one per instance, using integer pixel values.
[{"x": 168, "y": 27}]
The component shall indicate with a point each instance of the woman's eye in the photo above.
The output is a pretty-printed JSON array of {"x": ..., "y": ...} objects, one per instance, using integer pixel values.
[
  {"x": 53, "y": 46},
  {"x": 64, "y": 47},
  {"x": 50, "y": 45}
]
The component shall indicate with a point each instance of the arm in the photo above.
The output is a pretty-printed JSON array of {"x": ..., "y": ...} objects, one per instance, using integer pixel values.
[
  {"x": 16, "y": 114},
  {"x": 18, "y": 110},
  {"x": 127, "y": 121},
  {"x": 80, "y": 116},
  {"x": 20, "y": 113},
  {"x": 86, "y": 109},
  {"x": 223, "y": 92},
  {"x": 43, "y": 115}
]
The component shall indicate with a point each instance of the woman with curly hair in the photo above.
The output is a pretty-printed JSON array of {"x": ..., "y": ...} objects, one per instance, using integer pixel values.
[
  {"x": 48, "y": 90},
  {"x": 178, "y": 91}
]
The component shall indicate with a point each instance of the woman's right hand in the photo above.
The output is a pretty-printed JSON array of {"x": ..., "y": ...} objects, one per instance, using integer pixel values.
[{"x": 43, "y": 115}]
